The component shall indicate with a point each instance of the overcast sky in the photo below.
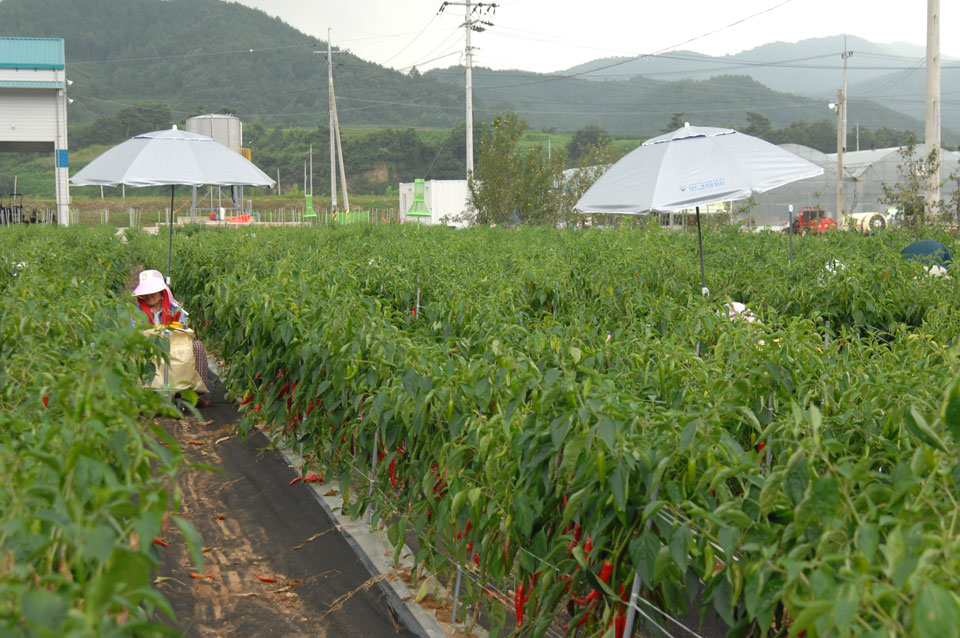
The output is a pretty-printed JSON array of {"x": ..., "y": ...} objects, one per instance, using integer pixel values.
[{"x": 548, "y": 35}]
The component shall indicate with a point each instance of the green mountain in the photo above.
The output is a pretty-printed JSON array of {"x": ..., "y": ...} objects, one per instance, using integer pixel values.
[
  {"x": 206, "y": 55},
  {"x": 890, "y": 75},
  {"x": 198, "y": 56},
  {"x": 645, "y": 107}
]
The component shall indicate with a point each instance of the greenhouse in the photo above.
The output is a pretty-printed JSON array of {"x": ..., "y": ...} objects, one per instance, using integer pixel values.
[{"x": 865, "y": 172}]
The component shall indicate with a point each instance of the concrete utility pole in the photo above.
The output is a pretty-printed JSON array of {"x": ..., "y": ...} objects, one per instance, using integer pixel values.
[
  {"x": 842, "y": 131},
  {"x": 479, "y": 25},
  {"x": 846, "y": 54},
  {"x": 332, "y": 108},
  {"x": 839, "y": 106},
  {"x": 468, "y": 53},
  {"x": 932, "y": 137},
  {"x": 333, "y": 148}
]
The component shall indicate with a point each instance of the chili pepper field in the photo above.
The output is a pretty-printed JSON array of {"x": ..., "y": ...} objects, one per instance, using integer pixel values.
[
  {"x": 533, "y": 406},
  {"x": 563, "y": 416},
  {"x": 86, "y": 477}
]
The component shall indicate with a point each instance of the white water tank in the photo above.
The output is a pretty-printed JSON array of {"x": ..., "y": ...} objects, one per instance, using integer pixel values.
[{"x": 226, "y": 129}]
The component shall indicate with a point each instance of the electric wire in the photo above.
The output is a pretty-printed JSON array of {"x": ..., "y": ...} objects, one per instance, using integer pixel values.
[
  {"x": 643, "y": 55},
  {"x": 409, "y": 44}
]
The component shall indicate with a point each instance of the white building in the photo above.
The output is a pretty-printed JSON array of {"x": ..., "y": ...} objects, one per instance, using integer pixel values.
[
  {"x": 447, "y": 201},
  {"x": 33, "y": 106}
]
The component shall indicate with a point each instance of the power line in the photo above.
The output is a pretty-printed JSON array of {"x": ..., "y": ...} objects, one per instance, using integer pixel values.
[
  {"x": 415, "y": 38},
  {"x": 643, "y": 55}
]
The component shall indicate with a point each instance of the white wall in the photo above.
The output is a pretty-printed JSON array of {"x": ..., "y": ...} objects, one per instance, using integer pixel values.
[
  {"x": 29, "y": 115},
  {"x": 444, "y": 198}
]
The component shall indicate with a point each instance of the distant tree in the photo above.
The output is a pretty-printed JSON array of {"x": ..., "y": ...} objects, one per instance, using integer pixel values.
[
  {"x": 510, "y": 185},
  {"x": 590, "y": 166},
  {"x": 821, "y": 135},
  {"x": 954, "y": 205},
  {"x": 758, "y": 125},
  {"x": 676, "y": 121},
  {"x": 907, "y": 194},
  {"x": 122, "y": 125},
  {"x": 589, "y": 137},
  {"x": 884, "y": 137}
]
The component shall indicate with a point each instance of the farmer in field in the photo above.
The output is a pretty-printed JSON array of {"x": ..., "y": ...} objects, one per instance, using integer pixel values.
[{"x": 156, "y": 301}]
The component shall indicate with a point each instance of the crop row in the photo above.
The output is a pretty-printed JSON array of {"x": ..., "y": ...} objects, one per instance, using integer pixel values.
[
  {"x": 86, "y": 479},
  {"x": 564, "y": 411}
]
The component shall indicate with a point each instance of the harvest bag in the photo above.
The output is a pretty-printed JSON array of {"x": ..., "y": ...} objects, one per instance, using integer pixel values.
[{"x": 182, "y": 373}]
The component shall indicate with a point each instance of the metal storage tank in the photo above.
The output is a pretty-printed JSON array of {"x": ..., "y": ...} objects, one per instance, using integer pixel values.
[{"x": 226, "y": 129}]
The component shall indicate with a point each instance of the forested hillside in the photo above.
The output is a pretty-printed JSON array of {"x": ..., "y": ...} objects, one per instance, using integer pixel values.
[
  {"x": 207, "y": 55},
  {"x": 642, "y": 106},
  {"x": 198, "y": 56}
]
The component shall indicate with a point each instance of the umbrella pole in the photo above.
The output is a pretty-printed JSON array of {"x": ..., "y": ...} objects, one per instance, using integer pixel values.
[
  {"x": 790, "y": 231},
  {"x": 170, "y": 242},
  {"x": 703, "y": 277}
]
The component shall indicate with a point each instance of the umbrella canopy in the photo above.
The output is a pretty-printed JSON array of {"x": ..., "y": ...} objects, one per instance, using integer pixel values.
[
  {"x": 928, "y": 252},
  {"x": 691, "y": 167},
  {"x": 171, "y": 158}
]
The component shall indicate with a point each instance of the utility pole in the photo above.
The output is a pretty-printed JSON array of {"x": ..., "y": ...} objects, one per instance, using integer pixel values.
[
  {"x": 846, "y": 54},
  {"x": 331, "y": 107},
  {"x": 842, "y": 132},
  {"x": 932, "y": 135},
  {"x": 839, "y": 107},
  {"x": 468, "y": 51},
  {"x": 343, "y": 175},
  {"x": 333, "y": 148},
  {"x": 479, "y": 25}
]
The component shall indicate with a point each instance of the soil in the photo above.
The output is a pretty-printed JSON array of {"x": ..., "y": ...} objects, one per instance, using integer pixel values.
[{"x": 274, "y": 563}]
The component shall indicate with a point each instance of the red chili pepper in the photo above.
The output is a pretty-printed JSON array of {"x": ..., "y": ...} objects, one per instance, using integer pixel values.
[
  {"x": 585, "y": 600},
  {"x": 760, "y": 446},
  {"x": 195, "y": 443},
  {"x": 161, "y": 543},
  {"x": 518, "y": 604},
  {"x": 198, "y": 576},
  {"x": 265, "y": 579},
  {"x": 46, "y": 400},
  {"x": 313, "y": 478},
  {"x": 606, "y": 571},
  {"x": 392, "y": 468},
  {"x": 247, "y": 400},
  {"x": 619, "y": 624},
  {"x": 588, "y": 545},
  {"x": 295, "y": 481}
]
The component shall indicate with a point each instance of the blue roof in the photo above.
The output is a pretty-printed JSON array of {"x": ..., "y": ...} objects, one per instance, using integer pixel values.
[{"x": 31, "y": 53}]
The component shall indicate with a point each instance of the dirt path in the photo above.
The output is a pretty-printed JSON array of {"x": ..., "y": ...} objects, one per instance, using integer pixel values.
[{"x": 254, "y": 524}]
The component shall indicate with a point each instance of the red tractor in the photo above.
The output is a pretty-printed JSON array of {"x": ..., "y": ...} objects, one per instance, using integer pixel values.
[{"x": 812, "y": 219}]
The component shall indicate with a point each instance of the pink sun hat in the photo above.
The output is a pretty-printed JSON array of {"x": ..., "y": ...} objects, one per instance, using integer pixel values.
[{"x": 152, "y": 281}]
